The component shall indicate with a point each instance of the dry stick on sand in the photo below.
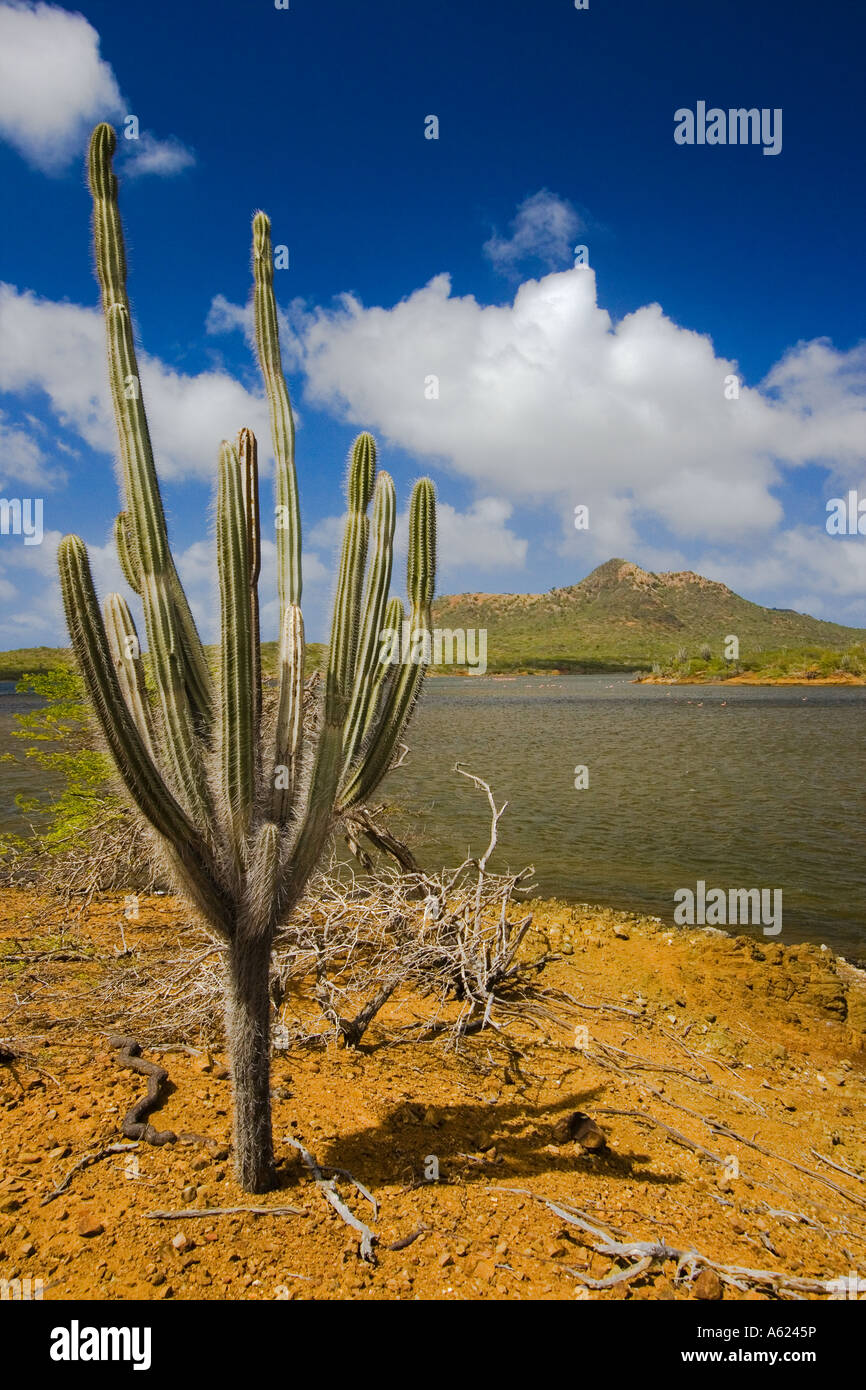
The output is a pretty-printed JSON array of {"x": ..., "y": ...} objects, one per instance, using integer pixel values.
[
  {"x": 674, "y": 1134},
  {"x": 780, "y": 1158},
  {"x": 644, "y": 1253},
  {"x": 85, "y": 1162},
  {"x": 226, "y": 1211},
  {"x": 858, "y": 1177},
  {"x": 328, "y": 1190}
]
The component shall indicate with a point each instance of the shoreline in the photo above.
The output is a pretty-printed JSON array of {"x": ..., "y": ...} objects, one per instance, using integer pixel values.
[{"x": 751, "y": 679}]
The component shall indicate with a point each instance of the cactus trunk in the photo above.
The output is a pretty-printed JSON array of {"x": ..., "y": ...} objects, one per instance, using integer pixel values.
[
  {"x": 237, "y": 825},
  {"x": 249, "y": 1038}
]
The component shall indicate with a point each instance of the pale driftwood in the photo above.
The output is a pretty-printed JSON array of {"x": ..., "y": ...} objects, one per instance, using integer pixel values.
[
  {"x": 674, "y": 1134},
  {"x": 780, "y": 1158},
  {"x": 329, "y": 1191},
  {"x": 85, "y": 1162},
  {"x": 644, "y": 1253},
  {"x": 858, "y": 1177},
  {"x": 225, "y": 1211}
]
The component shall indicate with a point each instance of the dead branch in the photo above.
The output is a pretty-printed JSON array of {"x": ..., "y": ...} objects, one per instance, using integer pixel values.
[
  {"x": 328, "y": 1189},
  {"x": 225, "y": 1211}
]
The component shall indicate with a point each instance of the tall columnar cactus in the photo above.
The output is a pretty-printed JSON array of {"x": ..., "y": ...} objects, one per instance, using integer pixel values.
[{"x": 240, "y": 810}]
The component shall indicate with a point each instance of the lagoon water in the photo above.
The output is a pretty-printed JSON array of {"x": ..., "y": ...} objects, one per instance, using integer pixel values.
[{"x": 742, "y": 787}]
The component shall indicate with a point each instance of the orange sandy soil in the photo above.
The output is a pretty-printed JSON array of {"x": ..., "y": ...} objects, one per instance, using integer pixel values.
[{"x": 763, "y": 1040}]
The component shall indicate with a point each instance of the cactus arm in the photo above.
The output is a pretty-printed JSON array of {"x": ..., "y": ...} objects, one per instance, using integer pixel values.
[
  {"x": 318, "y": 819},
  {"x": 290, "y": 715},
  {"x": 263, "y": 880},
  {"x": 395, "y": 615},
  {"x": 197, "y": 676},
  {"x": 237, "y": 702},
  {"x": 402, "y": 695},
  {"x": 353, "y": 560},
  {"x": 126, "y": 653},
  {"x": 141, "y": 778},
  {"x": 248, "y": 455},
  {"x": 375, "y": 600},
  {"x": 165, "y": 608},
  {"x": 126, "y": 552},
  {"x": 282, "y": 421}
]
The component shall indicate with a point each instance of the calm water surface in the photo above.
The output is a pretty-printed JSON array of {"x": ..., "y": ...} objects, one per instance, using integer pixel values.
[{"x": 741, "y": 787}]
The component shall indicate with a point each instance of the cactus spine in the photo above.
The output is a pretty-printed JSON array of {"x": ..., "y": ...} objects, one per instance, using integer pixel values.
[{"x": 236, "y": 820}]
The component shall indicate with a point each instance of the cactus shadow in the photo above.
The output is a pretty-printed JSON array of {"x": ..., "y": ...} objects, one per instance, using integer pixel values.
[{"x": 473, "y": 1143}]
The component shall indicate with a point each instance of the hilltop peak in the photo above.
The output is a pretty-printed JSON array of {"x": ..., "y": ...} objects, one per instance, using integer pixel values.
[
  {"x": 618, "y": 571},
  {"x": 624, "y": 614}
]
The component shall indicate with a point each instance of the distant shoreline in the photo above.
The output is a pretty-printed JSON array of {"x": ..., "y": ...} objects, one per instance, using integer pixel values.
[{"x": 752, "y": 678}]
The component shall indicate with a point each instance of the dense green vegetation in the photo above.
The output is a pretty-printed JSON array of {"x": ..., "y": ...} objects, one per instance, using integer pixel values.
[
  {"x": 14, "y": 665},
  {"x": 788, "y": 663},
  {"x": 30, "y": 661},
  {"x": 58, "y": 737}
]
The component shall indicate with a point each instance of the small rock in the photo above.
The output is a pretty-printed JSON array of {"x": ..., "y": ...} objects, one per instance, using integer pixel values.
[
  {"x": 445, "y": 1259},
  {"x": 27, "y": 1248},
  {"x": 181, "y": 1241},
  {"x": 188, "y": 1194},
  {"x": 587, "y": 1133},
  {"x": 621, "y": 933},
  {"x": 90, "y": 1226},
  {"x": 29, "y": 1158},
  {"x": 707, "y": 1286}
]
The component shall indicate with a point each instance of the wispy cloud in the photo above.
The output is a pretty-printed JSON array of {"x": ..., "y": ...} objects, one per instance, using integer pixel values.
[
  {"x": 23, "y": 459},
  {"x": 163, "y": 158},
  {"x": 542, "y": 232}
]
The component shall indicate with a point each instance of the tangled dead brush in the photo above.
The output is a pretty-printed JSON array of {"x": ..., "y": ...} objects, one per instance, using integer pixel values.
[{"x": 442, "y": 950}]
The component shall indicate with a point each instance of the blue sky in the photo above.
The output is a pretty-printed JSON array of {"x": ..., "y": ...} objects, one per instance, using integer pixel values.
[{"x": 559, "y": 385}]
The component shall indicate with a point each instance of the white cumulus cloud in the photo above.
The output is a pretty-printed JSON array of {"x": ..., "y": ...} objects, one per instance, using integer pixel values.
[
  {"x": 60, "y": 350},
  {"x": 54, "y": 86},
  {"x": 547, "y": 397}
]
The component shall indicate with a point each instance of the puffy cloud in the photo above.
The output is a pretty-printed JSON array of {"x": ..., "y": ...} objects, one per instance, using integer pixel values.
[
  {"x": 60, "y": 349},
  {"x": 53, "y": 83},
  {"x": 547, "y": 397},
  {"x": 32, "y": 613},
  {"x": 55, "y": 86},
  {"x": 543, "y": 230}
]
